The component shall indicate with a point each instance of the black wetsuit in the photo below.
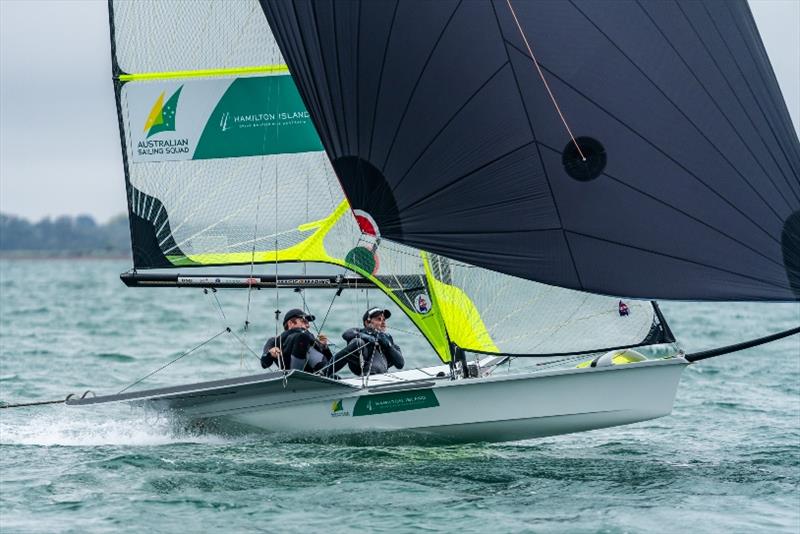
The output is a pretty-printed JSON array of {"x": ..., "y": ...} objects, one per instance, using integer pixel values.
[
  {"x": 297, "y": 346},
  {"x": 377, "y": 350}
]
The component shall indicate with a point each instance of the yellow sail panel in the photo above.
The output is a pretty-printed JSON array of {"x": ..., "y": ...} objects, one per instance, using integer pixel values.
[
  {"x": 461, "y": 318},
  {"x": 310, "y": 249}
]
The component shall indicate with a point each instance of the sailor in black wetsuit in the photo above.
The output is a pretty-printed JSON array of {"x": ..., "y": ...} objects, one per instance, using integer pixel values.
[
  {"x": 296, "y": 347},
  {"x": 370, "y": 350}
]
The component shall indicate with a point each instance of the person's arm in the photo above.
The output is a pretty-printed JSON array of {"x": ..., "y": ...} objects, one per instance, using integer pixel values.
[
  {"x": 353, "y": 333},
  {"x": 394, "y": 356},
  {"x": 267, "y": 356}
]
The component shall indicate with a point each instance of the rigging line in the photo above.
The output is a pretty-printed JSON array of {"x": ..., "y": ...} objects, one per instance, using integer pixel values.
[
  {"x": 546, "y": 85},
  {"x": 253, "y": 255},
  {"x": 335, "y": 359},
  {"x": 677, "y": 108},
  {"x": 338, "y": 291},
  {"x": 245, "y": 345},
  {"x": 207, "y": 341},
  {"x": 506, "y": 45},
  {"x": 278, "y": 340},
  {"x": 219, "y": 305},
  {"x": 717, "y": 106}
]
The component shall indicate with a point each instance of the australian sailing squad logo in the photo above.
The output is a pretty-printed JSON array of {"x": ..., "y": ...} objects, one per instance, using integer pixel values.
[
  {"x": 337, "y": 410},
  {"x": 162, "y": 119}
]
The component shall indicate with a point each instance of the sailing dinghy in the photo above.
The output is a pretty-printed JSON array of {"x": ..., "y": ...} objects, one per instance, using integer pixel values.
[{"x": 475, "y": 162}]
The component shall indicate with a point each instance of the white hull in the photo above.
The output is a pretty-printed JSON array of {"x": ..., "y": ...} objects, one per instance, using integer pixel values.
[{"x": 496, "y": 408}]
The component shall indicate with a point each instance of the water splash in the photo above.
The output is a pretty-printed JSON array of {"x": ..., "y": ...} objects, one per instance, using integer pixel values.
[{"x": 70, "y": 427}]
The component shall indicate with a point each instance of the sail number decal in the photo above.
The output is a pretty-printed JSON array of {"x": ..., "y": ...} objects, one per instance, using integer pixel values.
[{"x": 395, "y": 402}]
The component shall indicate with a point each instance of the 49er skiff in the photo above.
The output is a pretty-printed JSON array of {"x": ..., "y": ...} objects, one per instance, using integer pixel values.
[{"x": 474, "y": 161}]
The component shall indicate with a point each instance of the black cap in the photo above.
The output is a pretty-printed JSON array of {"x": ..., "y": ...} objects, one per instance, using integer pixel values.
[
  {"x": 294, "y": 313},
  {"x": 372, "y": 312}
]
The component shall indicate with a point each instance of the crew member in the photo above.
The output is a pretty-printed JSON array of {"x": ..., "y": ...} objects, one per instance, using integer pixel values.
[
  {"x": 370, "y": 350},
  {"x": 296, "y": 347}
]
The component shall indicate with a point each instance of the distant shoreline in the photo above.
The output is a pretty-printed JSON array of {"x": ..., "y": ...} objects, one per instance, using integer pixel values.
[{"x": 62, "y": 255}]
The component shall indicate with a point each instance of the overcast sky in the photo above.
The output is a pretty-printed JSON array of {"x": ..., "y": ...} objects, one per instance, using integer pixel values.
[{"x": 59, "y": 143}]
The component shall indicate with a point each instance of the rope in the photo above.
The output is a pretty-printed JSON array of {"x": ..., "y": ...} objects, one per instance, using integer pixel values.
[
  {"x": 227, "y": 329},
  {"x": 546, "y": 85},
  {"x": 41, "y": 403},
  {"x": 252, "y": 263},
  {"x": 245, "y": 345}
]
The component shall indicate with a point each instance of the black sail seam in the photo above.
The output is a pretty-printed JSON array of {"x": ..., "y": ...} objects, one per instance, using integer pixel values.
[
  {"x": 767, "y": 121},
  {"x": 678, "y": 109},
  {"x": 678, "y": 258},
  {"x": 339, "y": 75},
  {"x": 750, "y": 87},
  {"x": 380, "y": 79},
  {"x": 358, "y": 82},
  {"x": 328, "y": 82},
  {"x": 446, "y": 124},
  {"x": 506, "y": 44},
  {"x": 311, "y": 91},
  {"x": 431, "y": 194},
  {"x": 716, "y": 105},
  {"x": 652, "y": 144},
  {"x": 491, "y": 232},
  {"x": 416, "y": 84},
  {"x": 734, "y": 93},
  {"x": 765, "y": 67},
  {"x": 682, "y": 212}
]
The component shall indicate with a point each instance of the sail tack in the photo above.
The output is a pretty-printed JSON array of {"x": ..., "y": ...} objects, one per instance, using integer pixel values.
[{"x": 441, "y": 130}]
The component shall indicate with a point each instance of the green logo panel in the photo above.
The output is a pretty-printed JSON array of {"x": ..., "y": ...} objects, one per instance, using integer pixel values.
[
  {"x": 258, "y": 116},
  {"x": 395, "y": 402}
]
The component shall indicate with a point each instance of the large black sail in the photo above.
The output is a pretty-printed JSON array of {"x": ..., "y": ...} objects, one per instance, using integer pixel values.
[{"x": 441, "y": 129}]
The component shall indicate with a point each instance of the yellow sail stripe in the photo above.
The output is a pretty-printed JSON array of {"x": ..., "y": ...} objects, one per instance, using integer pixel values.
[
  {"x": 204, "y": 73},
  {"x": 312, "y": 249}
]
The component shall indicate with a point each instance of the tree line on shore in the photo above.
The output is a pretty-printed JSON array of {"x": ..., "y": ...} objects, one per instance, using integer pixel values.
[{"x": 79, "y": 235}]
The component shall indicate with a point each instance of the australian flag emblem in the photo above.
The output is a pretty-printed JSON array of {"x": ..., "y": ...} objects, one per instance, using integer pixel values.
[{"x": 623, "y": 309}]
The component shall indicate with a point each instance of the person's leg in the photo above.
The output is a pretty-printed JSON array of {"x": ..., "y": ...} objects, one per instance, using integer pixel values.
[{"x": 350, "y": 356}]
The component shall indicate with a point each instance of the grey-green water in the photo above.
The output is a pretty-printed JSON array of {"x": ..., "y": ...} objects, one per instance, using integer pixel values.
[{"x": 726, "y": 460}]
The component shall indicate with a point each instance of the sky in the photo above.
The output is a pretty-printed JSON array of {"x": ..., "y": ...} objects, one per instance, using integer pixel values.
[{"x": 59, "y": 142}]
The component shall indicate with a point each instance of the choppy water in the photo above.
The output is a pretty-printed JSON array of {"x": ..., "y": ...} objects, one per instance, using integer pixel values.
[{"x": 726, "y": 460}]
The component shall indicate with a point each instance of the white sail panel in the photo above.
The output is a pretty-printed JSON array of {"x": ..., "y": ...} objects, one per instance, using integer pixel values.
[
  {"x": 180, "y": 35},
  {"x": 491, "y": 312}
]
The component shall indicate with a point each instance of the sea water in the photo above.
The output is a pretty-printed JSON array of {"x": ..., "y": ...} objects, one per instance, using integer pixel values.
[{"x": 726, "y": 460}]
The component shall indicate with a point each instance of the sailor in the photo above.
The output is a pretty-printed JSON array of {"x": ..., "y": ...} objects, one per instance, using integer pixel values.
[
  {"x": 296, "y": 347},
  {"x": 370, "y": 350}
]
